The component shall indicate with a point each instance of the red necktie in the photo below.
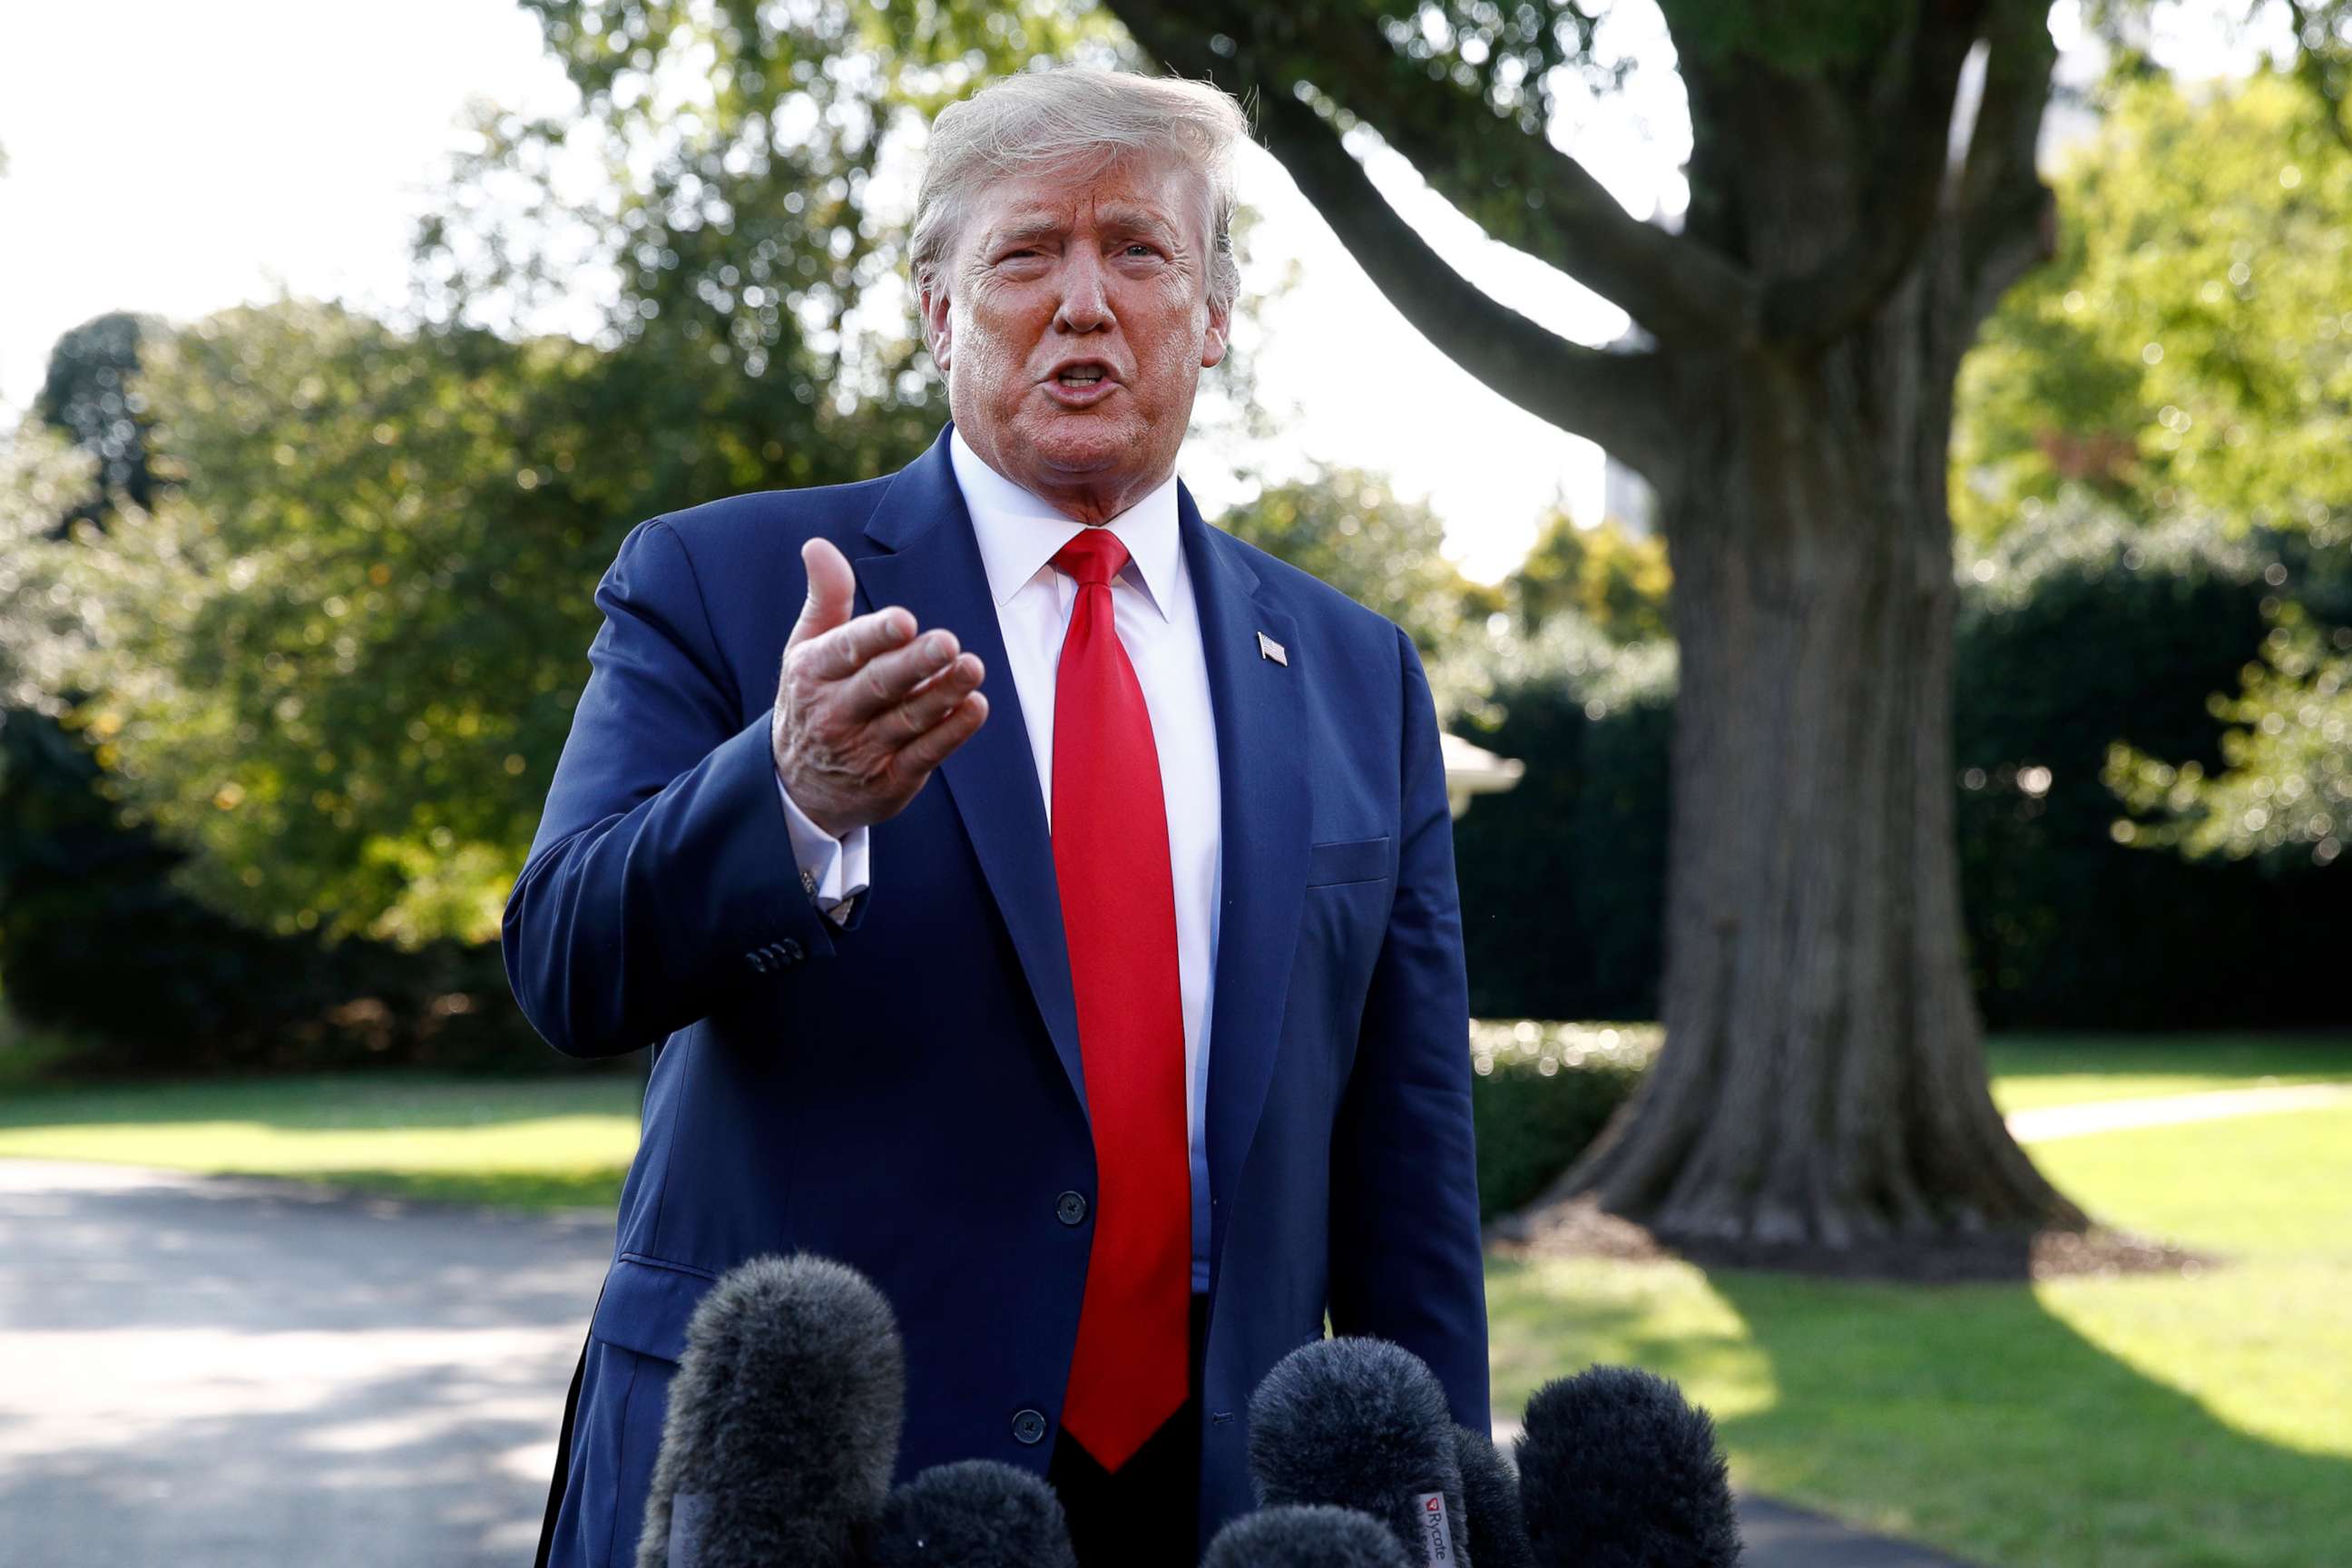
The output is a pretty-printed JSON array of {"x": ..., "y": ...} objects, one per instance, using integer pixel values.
[{"x": 1129, "y": 1372}]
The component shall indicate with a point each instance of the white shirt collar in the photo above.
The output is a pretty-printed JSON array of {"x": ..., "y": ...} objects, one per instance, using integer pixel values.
[{"x": 1019, "y": 530}]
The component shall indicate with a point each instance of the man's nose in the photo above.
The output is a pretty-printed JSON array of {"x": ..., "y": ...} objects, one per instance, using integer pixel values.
[{"x": 1086, "y": 304}]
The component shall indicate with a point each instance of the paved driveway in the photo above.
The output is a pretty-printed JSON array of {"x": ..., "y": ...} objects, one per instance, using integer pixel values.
[{"x": 201, "y": 1372}]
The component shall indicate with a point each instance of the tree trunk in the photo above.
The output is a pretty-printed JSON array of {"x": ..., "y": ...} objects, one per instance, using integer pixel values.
[{"x": 1822, "y": 1083}]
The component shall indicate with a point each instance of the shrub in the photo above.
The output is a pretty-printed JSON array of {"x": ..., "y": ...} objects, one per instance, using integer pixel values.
[{"x": 1541, "y": 1093}]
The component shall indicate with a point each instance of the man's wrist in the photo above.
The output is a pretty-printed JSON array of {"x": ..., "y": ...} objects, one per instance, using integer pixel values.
[
  {"x": 832, "y": 868},
  {"x": 830, "y": 829}
]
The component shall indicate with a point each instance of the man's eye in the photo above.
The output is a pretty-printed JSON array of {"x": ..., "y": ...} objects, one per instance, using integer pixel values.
[{"x": 1137, "y": 247}]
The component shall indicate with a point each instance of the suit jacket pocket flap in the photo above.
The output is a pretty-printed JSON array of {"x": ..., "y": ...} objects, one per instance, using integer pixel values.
[
  {"x": 1348, "y": 860},
  {"x": 646, "y": 1305}
]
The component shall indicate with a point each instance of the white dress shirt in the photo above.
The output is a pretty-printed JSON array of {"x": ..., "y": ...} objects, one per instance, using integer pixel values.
[{"x": 1159, "y": 625}]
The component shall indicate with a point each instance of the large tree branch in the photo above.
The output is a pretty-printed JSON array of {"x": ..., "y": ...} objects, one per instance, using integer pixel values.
[
  {"x": 1618, "y": 400},
  {"x": 2007, "y": 219},
  {"x": 1902, "y": 192},
  {"x": 1518, "y": 187}
]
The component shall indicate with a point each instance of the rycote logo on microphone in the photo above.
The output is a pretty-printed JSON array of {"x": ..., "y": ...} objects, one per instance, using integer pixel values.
[{"x": 1436, "y": 1540}]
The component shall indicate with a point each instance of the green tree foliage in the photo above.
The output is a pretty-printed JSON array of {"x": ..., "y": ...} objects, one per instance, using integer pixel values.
[
  {"x": 1615, "y": 579},
  {"x": 98, "y": 943},
  {"x": 317, "y": 660},
  {"x": 338, "y": 656},
  {"x": 2285, "y": 782},
  {"x": 2192, "y": 345}
]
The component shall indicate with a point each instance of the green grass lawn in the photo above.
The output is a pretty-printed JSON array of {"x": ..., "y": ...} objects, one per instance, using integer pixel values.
[
  {"x": 531, "y": 1142},
  {"x": 2126, "y": 1422},
  {"x": 2139, "y": 1423}
]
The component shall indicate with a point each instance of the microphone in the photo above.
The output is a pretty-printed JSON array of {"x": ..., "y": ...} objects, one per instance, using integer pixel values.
[
  {"x": 1363, "y": 1423},
  {"x": 1496, "y": 1534},
  {"x": 975, "y": 1513},
  {"x": 1616, "y": 1470},
  {"x": 782, "y": 1427},
  {"x": 1304, "y": 1536}
]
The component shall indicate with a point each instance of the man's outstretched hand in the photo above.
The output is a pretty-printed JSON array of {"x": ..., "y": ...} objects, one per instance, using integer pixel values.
[{"x": 866, "y": 709}]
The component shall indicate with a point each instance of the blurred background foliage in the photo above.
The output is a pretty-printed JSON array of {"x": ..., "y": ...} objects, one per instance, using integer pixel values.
[
  {"x": 2190, "y": 354},
  {"x": 2190, "y": 346},
  {"x": 294, "y": 602}
]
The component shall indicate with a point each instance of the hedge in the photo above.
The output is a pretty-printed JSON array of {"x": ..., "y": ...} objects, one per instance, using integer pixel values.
[
  {"x": 2080, "y": 629},
  {"x": 1541, "y": 1093}
]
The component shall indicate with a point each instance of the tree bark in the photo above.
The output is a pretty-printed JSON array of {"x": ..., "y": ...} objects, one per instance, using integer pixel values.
[{"x": 1823, "y": 1084}]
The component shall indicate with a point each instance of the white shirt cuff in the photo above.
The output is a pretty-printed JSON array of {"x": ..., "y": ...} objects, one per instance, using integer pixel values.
[{"x": 832, "y": 871}]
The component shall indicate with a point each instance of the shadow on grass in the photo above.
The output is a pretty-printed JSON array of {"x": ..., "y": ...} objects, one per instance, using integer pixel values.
[{"x": 1966, "y": 1417}]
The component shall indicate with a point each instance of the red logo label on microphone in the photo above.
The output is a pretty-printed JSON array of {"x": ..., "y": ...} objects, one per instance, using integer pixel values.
[{"x": 1436, "y": 1540}]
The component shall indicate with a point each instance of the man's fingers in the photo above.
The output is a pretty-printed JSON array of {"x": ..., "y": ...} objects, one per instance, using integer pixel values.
[
  {"x": 888, "y": 678},
  {"x": 932, "y": 700},
  {"x": 832, "y": 591},
  {"x": 926, "y": 751},
  {"x": 837, "y": 654}
]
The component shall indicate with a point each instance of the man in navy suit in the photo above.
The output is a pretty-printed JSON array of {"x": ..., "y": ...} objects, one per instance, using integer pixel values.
[{"x": 1129, "y": 1046}]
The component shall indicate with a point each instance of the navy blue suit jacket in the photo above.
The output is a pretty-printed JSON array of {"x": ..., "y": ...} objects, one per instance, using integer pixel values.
[{"x": 905, "y": 1094}]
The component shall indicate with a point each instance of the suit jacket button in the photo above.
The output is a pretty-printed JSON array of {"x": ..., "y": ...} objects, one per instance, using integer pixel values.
[
  {"x": 1070, "y": 1208},
  {"x": 1029, "y": 1427},
  {"x": 792, "y": 949},
  {"x": 757, "y": 959}
]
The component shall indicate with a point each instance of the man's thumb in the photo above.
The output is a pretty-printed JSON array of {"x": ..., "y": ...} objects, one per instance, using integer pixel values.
[{"x": 832, "y": 591}]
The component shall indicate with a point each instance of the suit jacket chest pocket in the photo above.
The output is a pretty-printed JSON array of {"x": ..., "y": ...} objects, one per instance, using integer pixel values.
[
  {"x": 1342, "y": 920},
  {"x": 1348, "y": 860}
]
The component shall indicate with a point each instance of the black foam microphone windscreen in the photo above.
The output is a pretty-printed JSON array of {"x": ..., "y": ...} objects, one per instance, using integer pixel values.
[
  {"x": 1362, "y": 1424},
  {"x": 1490, "y": 1497},
  {"x": 783, "y": 1428},
  {"x": 1306, "y": 1535},
  {"x": 1617, "y": 1470},
  {"x": 974, "y": 1513}
]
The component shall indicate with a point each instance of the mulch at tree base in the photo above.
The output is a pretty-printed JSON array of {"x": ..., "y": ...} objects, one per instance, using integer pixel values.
[{"x": 1575, "y": 1228}]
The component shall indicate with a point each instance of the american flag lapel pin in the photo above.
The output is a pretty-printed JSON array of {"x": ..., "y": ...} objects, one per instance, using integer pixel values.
[{"x": 1270, "y": 648}]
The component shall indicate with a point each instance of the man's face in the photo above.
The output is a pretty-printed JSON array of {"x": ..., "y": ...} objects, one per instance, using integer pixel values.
[{"x": 1073, "y": 321}]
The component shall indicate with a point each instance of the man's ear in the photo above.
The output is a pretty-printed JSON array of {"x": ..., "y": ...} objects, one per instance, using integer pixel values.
[
  {"x": 932, "y": 302},
  {"x": 1213, "y": 342}
]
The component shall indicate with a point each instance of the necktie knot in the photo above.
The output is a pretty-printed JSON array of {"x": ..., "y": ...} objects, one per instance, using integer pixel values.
[{"x": 1093, "y": 556}]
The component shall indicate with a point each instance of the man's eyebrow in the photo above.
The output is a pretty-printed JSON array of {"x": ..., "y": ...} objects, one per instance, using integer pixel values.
[
  {"x": 1021, "y": 228},
  {"x": 1147, "y": 219},
  {"x": 1025, "y": 227}
]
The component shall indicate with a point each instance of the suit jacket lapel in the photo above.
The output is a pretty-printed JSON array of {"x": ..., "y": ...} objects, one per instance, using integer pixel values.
[
  {"x": 1263, "y": 799},
  {"x": 931, "y": 564}
]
